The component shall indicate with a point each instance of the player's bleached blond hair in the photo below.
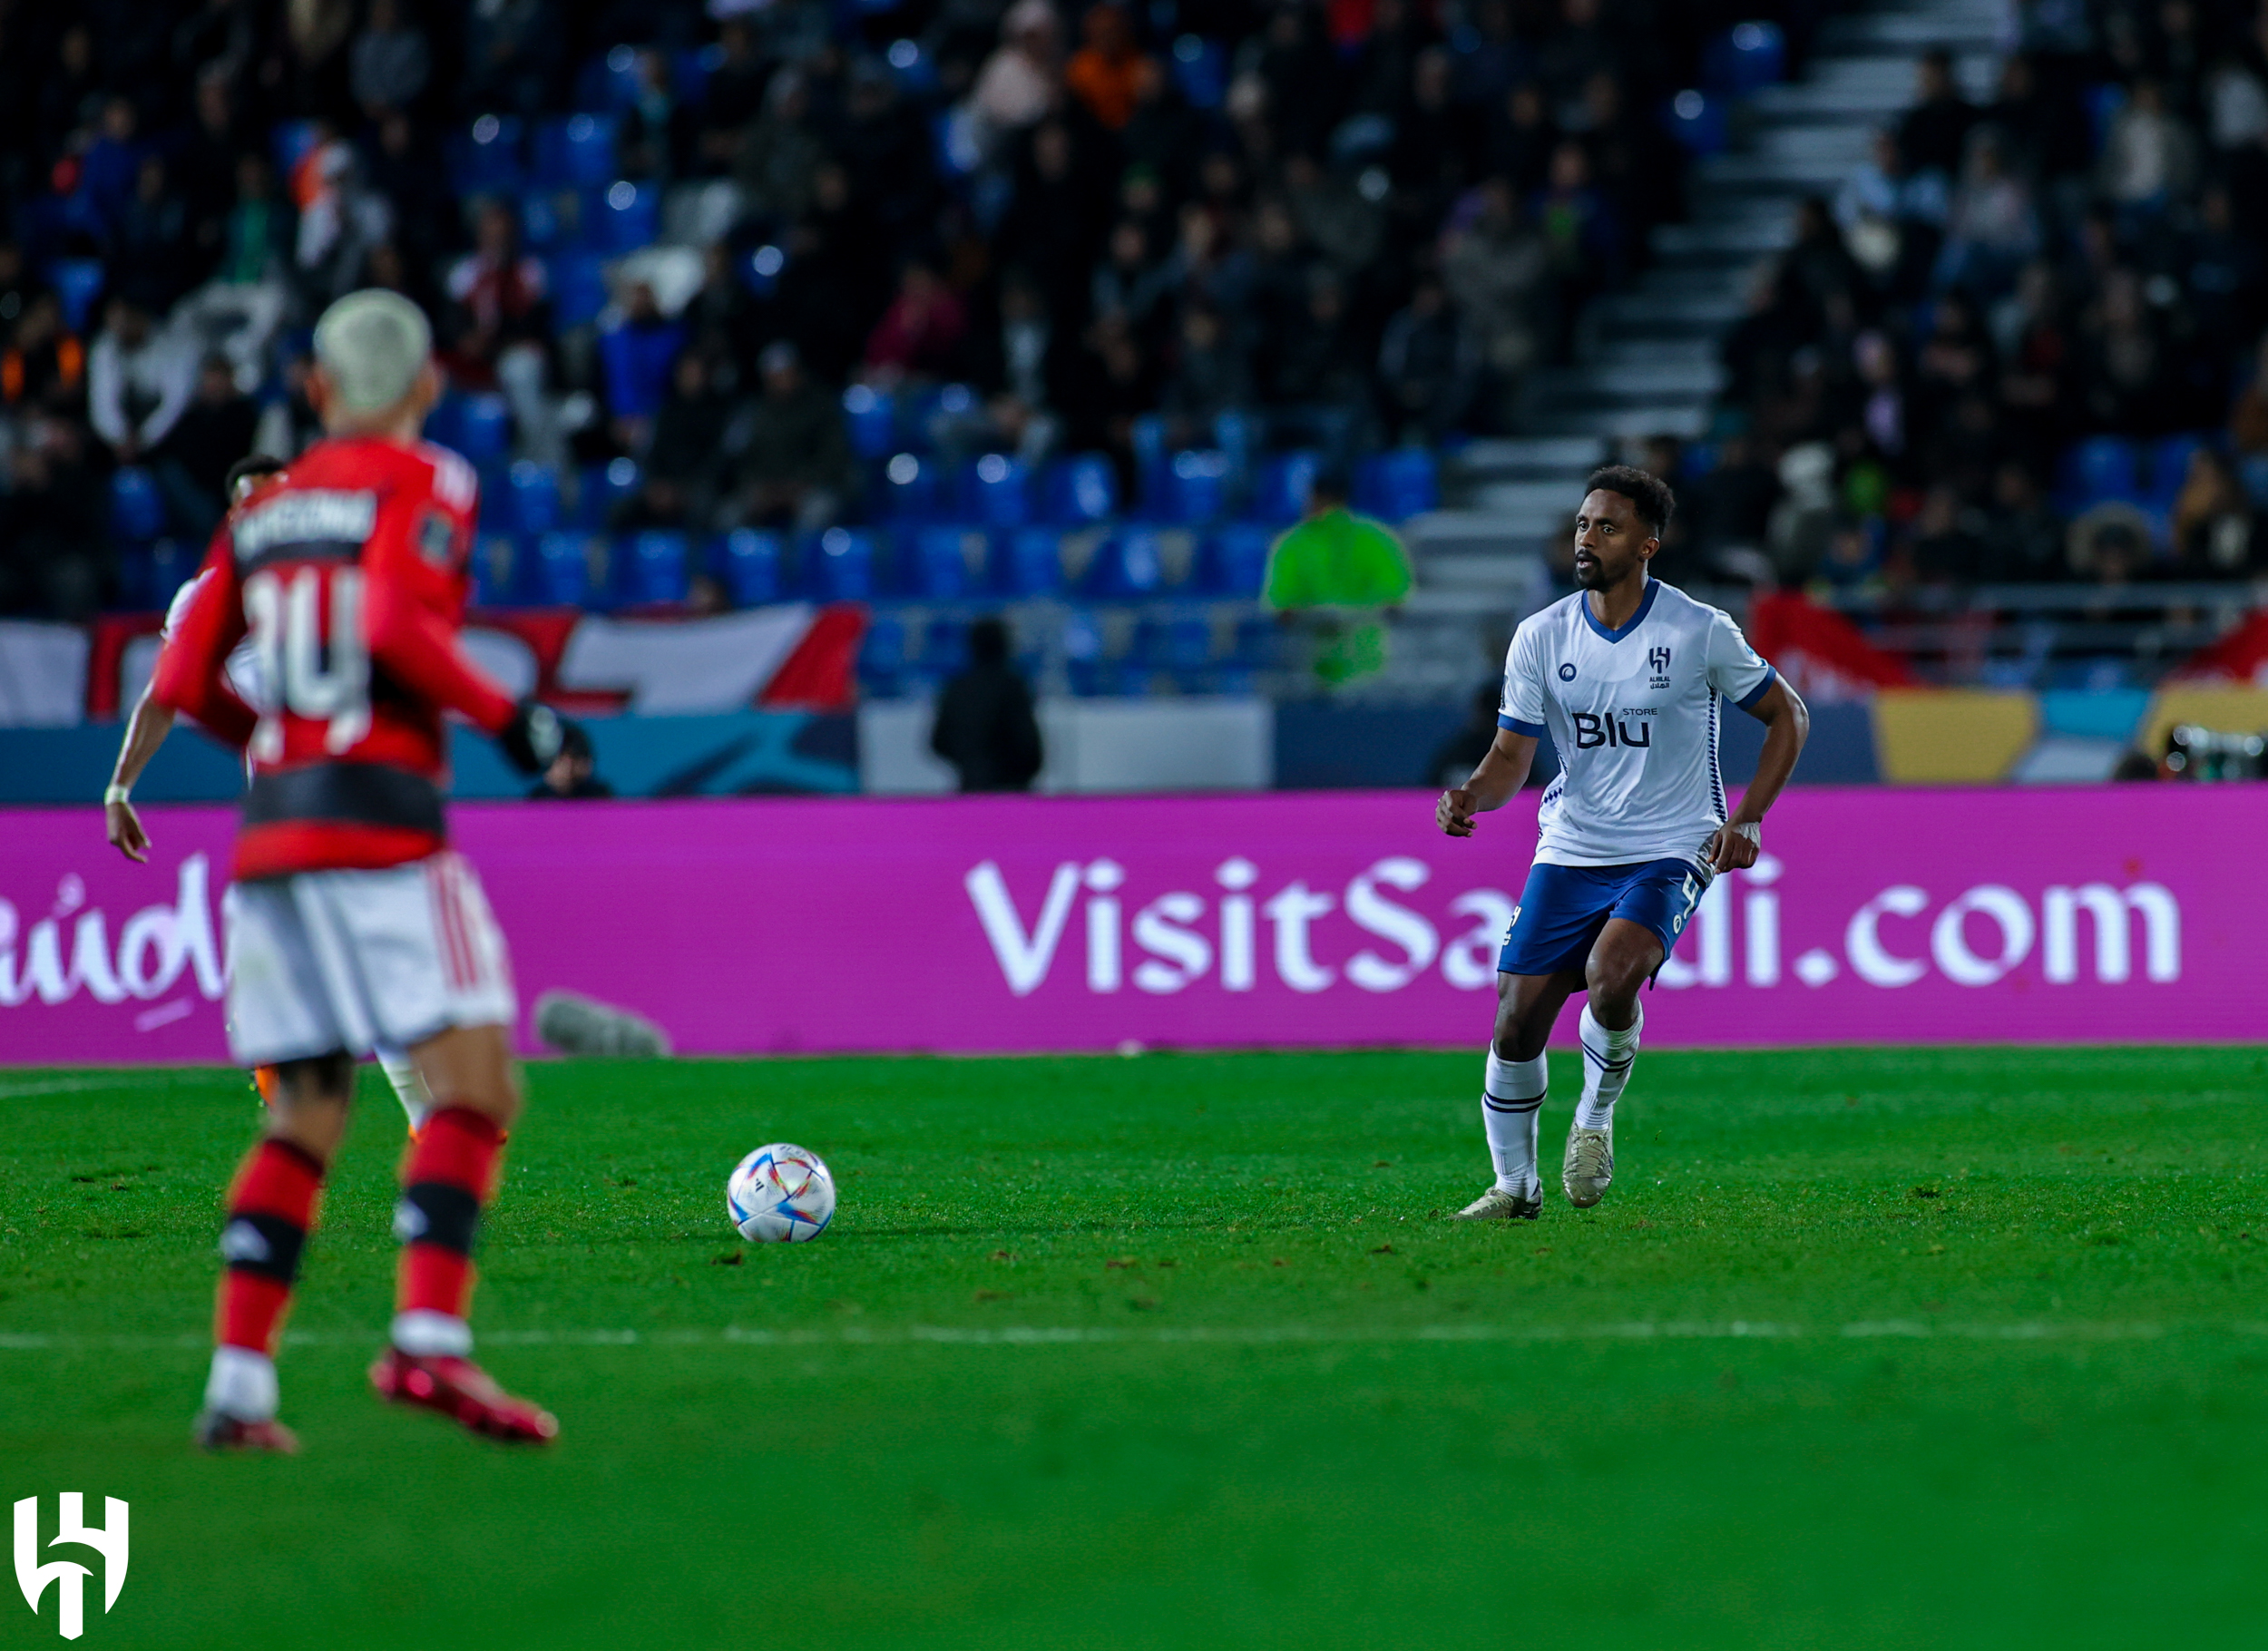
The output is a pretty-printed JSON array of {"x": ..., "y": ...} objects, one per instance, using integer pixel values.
[{"x": 372, "y": 345}]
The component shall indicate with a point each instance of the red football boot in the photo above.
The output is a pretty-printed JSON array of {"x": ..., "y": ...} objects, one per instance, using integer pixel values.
[
  {"x": 463, "y": 1391},
  {"x": 219, "y": 1431}
]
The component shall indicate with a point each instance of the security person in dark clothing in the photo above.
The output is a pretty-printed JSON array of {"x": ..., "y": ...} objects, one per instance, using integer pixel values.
[{"x": 985, "y": 727}]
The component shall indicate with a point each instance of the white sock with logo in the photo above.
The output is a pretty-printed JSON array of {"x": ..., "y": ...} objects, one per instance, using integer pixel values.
[
  {"x": 1607, "y": 1058},
  {"x": 242, "y": 1384},
  {"x": 409, "y": 1085},
  {"x": 1511, "y": 1102}
]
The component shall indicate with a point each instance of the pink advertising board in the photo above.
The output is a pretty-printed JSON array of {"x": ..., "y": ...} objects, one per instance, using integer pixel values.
[{"x": 2130, "y": 914}]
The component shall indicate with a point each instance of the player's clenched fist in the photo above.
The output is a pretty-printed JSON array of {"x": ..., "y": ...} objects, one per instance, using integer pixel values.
[{"x": 1454, "y": 814}]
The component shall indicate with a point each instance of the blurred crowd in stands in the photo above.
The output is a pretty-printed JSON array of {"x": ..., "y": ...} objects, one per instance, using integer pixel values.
[
  {"x": 2024, "y": 341},
  {"x": 1350, "y": 223}
]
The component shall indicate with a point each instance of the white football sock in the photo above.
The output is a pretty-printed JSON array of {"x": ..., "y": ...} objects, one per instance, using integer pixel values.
[
  {"x": 1510, "y": 1105},
  {"x": 409, "y": 1086},
  {"x": 423, "y": 1334},
  {"x": 1607, "y": 1058},
  {"x": 242, "y": 1384}
]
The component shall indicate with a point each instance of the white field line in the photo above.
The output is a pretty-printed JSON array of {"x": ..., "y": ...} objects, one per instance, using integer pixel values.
[
  {"x": 70, "y": 1085},
  {"x": 1233, "y": 1335}
]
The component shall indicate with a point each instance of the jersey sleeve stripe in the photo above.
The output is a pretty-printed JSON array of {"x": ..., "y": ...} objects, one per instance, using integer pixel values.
[
  {"x": 1534, "y": 730},
  {"x": 1748, "y": 701}
]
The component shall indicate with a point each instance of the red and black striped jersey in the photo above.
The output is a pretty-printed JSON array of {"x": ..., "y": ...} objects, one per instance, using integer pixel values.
[{"x": 350, "y": 581}]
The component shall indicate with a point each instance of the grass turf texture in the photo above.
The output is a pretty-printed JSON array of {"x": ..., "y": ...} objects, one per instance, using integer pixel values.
[{"x": 1865, "y": 1348}]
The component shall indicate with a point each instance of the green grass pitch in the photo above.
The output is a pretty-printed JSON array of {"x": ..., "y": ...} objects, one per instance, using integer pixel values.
[{"x": 1864, "y": 1349}]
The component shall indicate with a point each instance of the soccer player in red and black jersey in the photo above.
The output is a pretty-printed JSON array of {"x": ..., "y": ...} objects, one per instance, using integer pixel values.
[{"x": 351, "y": 922}]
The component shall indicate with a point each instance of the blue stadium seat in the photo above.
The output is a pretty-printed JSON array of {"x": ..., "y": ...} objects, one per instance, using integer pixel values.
[
  {"x": 579, "y": 292},
  {"x": 496, "y": 565},
  {"x": 1090, "y": 671},
  {"x": 1200, "y": 68},
  {"x": 1132, "y": 563},
  {"x": 617, "y": 75},
  {"x": 290, "y": 140},
  {"x": 1034, "y": 563},
  {"x": 1184, "y": 645},
  {"x": 1153, "y": 469},
  {"x": 576, "y": 151},
  {"x": 872, "y": 417},
  {"x": 658, "y": 569},
  {"x": 1242, "y": 436},
  {"x": 486, "y": 159},
  {"x": 535, "y": 504},
  {"x": 1259, "y": 643},
  {"x": 1082, "y": 490},
  {"x": 882, "y": 655},
  {"x": 1397, "y": 486},
  {"x": 172, "y": 561},
  {"x": 911, "y": 489},
  {"x": 1280, "y": 496},
  {"x": 482, "y": 427},
  {"x": 603, "y": 487},
  {"x": 562, "y": 571},
  {"x": 622, "y": 217},
  {"x": 943, "y": 566},
  {"x": 1000, "y": 490},
  {"x": 78, "y": 282},
  {"x": 2100, "y": 467},
  {"x": 636, "y": 361},
  {"x": 1237, "y": 559},
  {"x": 1200, "y": 486},
  {"x": 1701, "y": 122},
  {"x": 2169, "y": 465},
  {"x": 751, "y": 566},
  {"x": 844, "y": 569},
  {"x": 1746, "y": 59},
  {"x": 944, "y": 647},
  {"x": 137, "y": 507},
  {"x": 545, "y": 229}
]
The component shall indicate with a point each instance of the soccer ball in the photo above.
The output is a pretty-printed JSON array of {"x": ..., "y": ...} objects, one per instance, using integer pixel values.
[{"x": 780, "y": 1195}]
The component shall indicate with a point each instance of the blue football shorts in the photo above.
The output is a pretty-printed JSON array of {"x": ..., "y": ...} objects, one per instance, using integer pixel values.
[{"x": 1564, "y": 907}]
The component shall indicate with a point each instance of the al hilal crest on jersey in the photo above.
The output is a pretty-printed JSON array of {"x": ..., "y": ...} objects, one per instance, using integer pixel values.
[{"x": 1634, "y": 713}]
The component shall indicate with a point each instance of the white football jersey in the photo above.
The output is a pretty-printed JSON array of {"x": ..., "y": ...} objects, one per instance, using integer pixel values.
[
  {"x": 1634, "y": 714},
  {"x": 243, "y": 666}
]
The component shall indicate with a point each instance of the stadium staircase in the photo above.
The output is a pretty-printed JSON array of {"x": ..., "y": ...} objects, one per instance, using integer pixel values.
[{"x": 1646, "y": 358}]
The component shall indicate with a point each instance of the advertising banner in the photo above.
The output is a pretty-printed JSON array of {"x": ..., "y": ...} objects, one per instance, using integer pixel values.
[{"x": 2121, "y": 915}]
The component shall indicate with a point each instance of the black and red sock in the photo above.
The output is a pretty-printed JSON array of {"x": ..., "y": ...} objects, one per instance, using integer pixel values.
[
  {"x": 449, "y": 1174},
  {"x": 271, "y": 1209}
]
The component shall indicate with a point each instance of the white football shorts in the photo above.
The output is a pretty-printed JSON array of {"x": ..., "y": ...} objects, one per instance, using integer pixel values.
[{"x": 355, "y": 960}]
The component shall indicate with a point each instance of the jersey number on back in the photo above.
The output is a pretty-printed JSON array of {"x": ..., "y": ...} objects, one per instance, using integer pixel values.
[{"x": 309, "y": 679}]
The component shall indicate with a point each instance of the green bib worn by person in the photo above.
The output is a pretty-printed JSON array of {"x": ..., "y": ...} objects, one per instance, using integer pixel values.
[{"x": 1334, "y": 570}]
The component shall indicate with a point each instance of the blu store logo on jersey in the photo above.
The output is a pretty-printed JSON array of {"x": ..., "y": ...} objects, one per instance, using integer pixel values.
[
  {"x": 68, "y": 1577},
  {"x": 1593, "y": 729}
]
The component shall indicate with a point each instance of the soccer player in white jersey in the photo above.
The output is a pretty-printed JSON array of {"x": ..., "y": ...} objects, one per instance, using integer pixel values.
[{"x": 1627, "y": 675}]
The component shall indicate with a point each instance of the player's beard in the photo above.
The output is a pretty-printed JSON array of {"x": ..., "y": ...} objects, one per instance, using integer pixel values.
[{"x": 1607, "y": 571}]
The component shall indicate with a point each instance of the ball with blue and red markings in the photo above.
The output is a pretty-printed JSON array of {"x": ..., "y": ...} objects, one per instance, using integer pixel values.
[{"x": 780, "y": 1195}]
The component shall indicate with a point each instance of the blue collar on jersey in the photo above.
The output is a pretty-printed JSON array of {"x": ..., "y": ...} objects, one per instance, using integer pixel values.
[{"x": 1645, "y": 606}]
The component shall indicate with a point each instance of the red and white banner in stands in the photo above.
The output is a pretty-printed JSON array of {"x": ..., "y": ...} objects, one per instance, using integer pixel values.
[
  {"x": 2241, "y": 655},
  {"x": 795, "y": 656},
  {"x": 1288, "y": 920},
  {"x": 1822, "y": 653}
]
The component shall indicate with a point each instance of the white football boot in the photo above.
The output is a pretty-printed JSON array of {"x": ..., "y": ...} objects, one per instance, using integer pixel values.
[
  {"x": 1589, "y": 1167},
  {"x": 1497, "y": 1205}
]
